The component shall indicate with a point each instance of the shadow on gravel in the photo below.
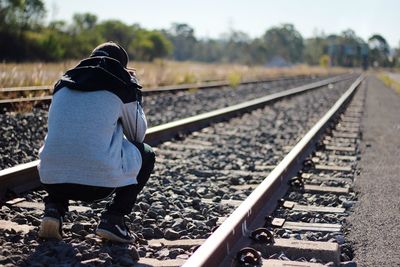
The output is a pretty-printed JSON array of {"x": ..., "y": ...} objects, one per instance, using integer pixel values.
[{"x": 81, "y": 252}]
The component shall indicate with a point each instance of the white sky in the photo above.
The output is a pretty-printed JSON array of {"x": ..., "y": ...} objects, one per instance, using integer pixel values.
[{"x": 210, "y": 18}]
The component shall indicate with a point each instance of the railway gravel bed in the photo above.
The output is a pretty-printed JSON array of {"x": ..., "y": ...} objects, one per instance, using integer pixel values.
[
  {"x": 184, "y": 197},
  {"x": 22, "y": 134}
]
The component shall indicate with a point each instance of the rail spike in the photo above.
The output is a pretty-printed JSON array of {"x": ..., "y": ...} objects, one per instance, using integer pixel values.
[
  {"x": 262, "y": 235},
  {"x": 249, "y": 257}
]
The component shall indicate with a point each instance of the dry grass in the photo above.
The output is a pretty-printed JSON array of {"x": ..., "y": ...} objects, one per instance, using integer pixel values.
[
  {"x": 31, "y": 74},
  {"x": 157, "y": 73},
  {"x": 389, "y": 82}
]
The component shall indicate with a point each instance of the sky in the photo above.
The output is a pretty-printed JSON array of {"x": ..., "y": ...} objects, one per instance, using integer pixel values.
[{"x": 211, "y": 18}]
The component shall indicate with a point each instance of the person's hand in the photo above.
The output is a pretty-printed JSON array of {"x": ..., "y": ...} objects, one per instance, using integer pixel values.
[{"x": 132, "y": 72}]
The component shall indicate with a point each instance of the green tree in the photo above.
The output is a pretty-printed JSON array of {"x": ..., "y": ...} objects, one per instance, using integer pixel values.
[
  {"x": 209, "y": 50},
  {"x": 83, "y": 22},
  {"x": 17, "y": 18},
  {"x": 379, "y": 51},
  {"x": 148, "y": 45},
  {"x": 397, "y": 57},
  {"x": 21, "y": 15},
  {"x": 83, "y": 36},
  {"x": 117, "y": 31},
  {"x": 162, "y": 47},
  {"x": 182, "y": 37},
  {"x": 284, "y": 41},
  {"x": 314, "y": 49},
  {"x": 235, "y": 47}
]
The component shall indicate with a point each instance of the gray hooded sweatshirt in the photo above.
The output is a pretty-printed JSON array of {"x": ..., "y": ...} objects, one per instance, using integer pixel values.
[{"x": 89, "y": 139}]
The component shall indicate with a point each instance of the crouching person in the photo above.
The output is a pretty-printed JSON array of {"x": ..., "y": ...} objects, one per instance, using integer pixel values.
[{"x": 94, "y": 146}]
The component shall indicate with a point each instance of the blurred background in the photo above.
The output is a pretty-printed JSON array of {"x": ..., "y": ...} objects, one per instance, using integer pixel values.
[{"x": 173, "y": 42}]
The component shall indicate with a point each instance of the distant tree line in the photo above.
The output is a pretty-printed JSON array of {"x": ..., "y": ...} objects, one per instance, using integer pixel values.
[{"x": 25, "y": 37}]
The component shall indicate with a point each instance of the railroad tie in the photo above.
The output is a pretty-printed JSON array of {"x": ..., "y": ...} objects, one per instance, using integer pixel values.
[
  {"x": 343, "y": 134},
  {"x": 298, "y": 207},
  {"x": 280, "y": 263},
  {"x": 340, "y": 149},
  {"x": 303, "y": 226},
  {"x": 333, "y": 168},
  {"x": 326, "y": 251}
]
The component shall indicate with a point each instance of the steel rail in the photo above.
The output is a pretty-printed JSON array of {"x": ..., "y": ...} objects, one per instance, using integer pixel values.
[
  {"x": 25, "y": 99},
  {"x": 25, "y": 176},
  {"x": 153, "y": 90},
  {"x": 215, "y": 84},
  {"x": 233, "y": 234},
  {"x": 25, "y": 88}
]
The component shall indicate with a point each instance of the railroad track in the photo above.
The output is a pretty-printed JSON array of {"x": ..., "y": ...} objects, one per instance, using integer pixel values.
[
  {"x": 10, "y": 101},
  {"x": 207, "y": 202},
  {"x": 22, "y": 133},
  {"x": 249, "y": 224}
]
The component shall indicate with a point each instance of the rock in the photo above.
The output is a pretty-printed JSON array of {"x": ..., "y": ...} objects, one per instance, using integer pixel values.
[
  {"x": 20, "y": 220},
  {"x": 148, "y": 233},
  {"x": 202, "y": 190},
  {"x": 4, "y": 260},
  {"x": 171, "y": 234},
  {"x": 198, "y": 217},
  {"x": 168, "y": 218},
  {"x": 152, "y": 214},
  {"x": 347, "y": 204},
  {"x": 105, "y": 256},
  {"x": 175, "y": 215},
  {"x": 234, "y": 181},
  {"x": 340, "y": 239},
  {"x": 193, "y": 193},
  {"x": 174, "y": 252},
  {"x": 5, "y": 209},
  {"x": 344, "y": 257},
  {"x": 77, "y": 228},
  {"x": 162, "y": 254},
  {"x": 295, "y": 236},
  {"x": 283, "y": 257},
  {"x": 217, "y": 199},
  {"x": 212, "y": 221},
  {"x": 158, "y": 233},
  {"x": 182, "y": 257},
  {"x": 144, "y": 206},
  {"x": 147, "y": 222},
  {"x": 141, "y": 252},
  {"x": 94, "y": 261},
  {"x": 34, "y": 221}
]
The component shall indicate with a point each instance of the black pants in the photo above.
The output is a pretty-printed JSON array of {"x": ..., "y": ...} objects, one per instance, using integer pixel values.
[{"x": 124, "y": 199}]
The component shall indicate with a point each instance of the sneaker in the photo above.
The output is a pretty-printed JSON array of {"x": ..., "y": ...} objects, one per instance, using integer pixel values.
[
  {"x": 113, "y": 228},
  {"x": 51, "y": 224}
]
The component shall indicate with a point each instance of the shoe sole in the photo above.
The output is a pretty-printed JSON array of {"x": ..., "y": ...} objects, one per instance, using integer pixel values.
[
  {"x": 112, "y": 237},
  {"x": 49, "y": 228}
]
